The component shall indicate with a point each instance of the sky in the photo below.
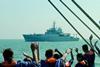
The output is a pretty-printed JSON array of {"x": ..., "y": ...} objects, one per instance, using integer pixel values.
[{"x": 18, "y": 17}]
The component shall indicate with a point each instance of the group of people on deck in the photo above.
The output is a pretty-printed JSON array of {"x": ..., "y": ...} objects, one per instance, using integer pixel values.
[{"x": 54, "y": 58}]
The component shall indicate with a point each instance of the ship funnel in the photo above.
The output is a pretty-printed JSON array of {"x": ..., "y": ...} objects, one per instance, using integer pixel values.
[
  {"x": 80, "y": 19},
  {"x": 90, "y": 18}
]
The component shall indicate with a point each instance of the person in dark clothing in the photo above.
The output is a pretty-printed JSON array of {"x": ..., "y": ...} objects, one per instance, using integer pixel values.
[
  {"x": 49, "y": 53},
  {"x": 81, "y": 61},
  {"x": 0, "y": 65},
  {"x": 58, "y": 56},
  {"x": 8, "y": 58},
  {"x": 89, "y": 55},
  {"x": 50, "y": 60}
]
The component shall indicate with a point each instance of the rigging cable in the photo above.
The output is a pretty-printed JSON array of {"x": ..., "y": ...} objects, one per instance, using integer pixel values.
[
  {"x": 86, "y": 15},
  {"x": 79, "y": 19}
]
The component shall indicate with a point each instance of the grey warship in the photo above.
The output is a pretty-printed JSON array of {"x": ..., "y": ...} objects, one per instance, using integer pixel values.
[{"x": 53, "y": 34}]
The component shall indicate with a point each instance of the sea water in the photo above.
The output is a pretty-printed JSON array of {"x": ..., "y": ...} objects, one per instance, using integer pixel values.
[{"x": 20, "y": 46}]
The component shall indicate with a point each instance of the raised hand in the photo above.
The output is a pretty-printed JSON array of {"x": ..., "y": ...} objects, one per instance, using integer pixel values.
[
  {"x": 68, "y": 51},
  {"x": 76, "y": 49},
  {"x": 56, "y": 50},
  {"x": 95, "y": 43},
  {"x": 91, "y": 37},
  {"x": 34, "y": 46}
]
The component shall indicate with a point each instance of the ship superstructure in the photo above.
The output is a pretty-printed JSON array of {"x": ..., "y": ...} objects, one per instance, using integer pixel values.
[{"x": 52, "y": 34}]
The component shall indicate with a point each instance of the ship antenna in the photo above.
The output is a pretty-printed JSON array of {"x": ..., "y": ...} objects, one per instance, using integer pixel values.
[
  {"x": 68, "y": 22},
  {"x": 86, "y": 15},
  {"x": 80, "y": 19}
]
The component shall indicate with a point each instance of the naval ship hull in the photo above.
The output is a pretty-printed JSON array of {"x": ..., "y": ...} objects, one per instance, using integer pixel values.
[
  {"x": 52, "y": 34},
  {"x": 52, "y": 38}
]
